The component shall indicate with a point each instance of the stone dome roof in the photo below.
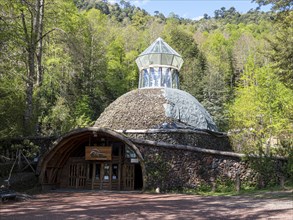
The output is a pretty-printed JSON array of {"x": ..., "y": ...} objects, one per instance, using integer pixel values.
[{"x": 150, "y": 108}]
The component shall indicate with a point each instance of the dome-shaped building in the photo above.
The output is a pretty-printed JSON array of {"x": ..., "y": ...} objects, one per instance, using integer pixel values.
[
  {"x": 154, "y": 136},
  {"x": 158, "y": 99},
  {"x": 151, "y": 108}
]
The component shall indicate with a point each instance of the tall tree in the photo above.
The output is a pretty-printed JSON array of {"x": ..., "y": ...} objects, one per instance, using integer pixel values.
[
  {"x": 218, "y": 82},
  {"x": 27, "y": 17},
  {"x": 29, "y": 24},
  {"x": 282, "y": 49},
  {"x": 194, "y": 66},
  {"x": 262, "y": 110},
  {"x": 86, "y": 44}
]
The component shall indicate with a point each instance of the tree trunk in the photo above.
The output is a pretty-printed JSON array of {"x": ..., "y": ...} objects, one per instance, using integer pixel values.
[
  {"x": 28, "y": 113},
  {"x": 33, "y": 37},
  {"x": 39, "y": 53}
]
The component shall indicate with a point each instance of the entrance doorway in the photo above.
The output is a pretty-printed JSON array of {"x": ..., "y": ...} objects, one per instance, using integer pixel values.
[
  {"x": 105, "y": 175},
  {"x": 138, "y": 182},
  {"x": 120, "y": 171}
]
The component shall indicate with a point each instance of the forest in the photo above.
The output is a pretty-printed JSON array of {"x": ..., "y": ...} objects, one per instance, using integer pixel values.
[{"x": 63, "y": 61}]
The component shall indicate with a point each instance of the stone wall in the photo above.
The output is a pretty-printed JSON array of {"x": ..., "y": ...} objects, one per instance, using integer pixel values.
[
  {"x": 196, "y": 138},
  {"x": 176, "y": 159},
  {"x": 176, "y": 169}
]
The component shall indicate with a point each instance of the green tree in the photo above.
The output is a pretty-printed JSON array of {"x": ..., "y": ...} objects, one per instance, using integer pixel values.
[
  {"x": 194, "y": 66},
  {"x": 261, "y": 111},
  {"x": 281, "y": 45},
  {"x": 57, "y": 121},
  {"x": 26, "y": 18},
  {"x": 277, "y": 5},
  {"x": 116, "y": 77},
  {"x": 29, "y": 24},
  {"x": 281, "y": 52},
  {"x": 218, "y": 80},
  {"x": 87, "y": 45},
  {"x": 12, "y": 103},
  {"x": 139, "y": 19}
]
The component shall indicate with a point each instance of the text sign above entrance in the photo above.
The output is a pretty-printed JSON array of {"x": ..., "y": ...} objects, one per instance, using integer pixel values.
[{"x": 98, "y": 153}]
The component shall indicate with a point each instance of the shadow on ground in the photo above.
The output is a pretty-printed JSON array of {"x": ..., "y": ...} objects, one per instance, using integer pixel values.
[{"x": 108, "y": 205}]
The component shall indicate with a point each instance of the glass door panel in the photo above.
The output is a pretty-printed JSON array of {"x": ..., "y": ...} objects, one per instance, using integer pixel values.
[
  {"x": 115, "y": 172},
  {"x": 106, "y": 172}
]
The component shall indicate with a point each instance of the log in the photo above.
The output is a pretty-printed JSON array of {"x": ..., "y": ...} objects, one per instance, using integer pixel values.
[
  {"x": 185, "y": 147},
  {"x": 174, "y": 130},
  {"x": 197, "y": 149}
]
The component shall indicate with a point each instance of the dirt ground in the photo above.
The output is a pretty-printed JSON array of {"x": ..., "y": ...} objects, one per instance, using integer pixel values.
[{"x": 113, "y": 205}]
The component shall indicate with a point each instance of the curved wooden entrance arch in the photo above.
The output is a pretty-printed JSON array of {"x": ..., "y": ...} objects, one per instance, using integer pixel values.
[{"x": 54, "y": 161}]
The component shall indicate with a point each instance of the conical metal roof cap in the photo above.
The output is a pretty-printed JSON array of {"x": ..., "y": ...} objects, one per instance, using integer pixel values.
[{"x": 159, "y": 53}]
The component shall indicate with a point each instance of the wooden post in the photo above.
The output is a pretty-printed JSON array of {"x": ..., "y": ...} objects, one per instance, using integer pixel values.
[
  {"x": 119, "y": 168},
  {"x": 110, "y": 175},
  {"x": 93, "y": 175},
  {"x": 238, "y": 182},
  {"x": 282, "y": 181},
  {"x": 102, "y": 176},
  {"x": 212, "y": 179},
  {"x": 18, "y": 156}
]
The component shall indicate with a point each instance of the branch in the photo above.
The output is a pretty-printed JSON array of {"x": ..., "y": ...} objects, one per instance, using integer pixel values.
[
  {"x": 24, "y": 27},
  {"x": 54, "y": 29},
  {"x": 28, "y": 3},
  {"x": 4, "y": 158}
]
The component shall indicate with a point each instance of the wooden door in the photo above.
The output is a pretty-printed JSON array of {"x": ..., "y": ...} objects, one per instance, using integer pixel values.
[
  {"x": 128, "y": 176},
  {"x": 102, "y": 176},
  {"x": 77, "y": 175}
]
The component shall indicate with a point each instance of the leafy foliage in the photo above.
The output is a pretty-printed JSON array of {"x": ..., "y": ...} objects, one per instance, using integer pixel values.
[
  {"x": 82, "y": 57},
  {"x": 268, "y": 112},
  {"x": 281, "y": 52},
  {"x": 266, "y": 166}
]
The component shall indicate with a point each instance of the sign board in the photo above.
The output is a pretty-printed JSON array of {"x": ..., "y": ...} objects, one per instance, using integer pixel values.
[
  {"x": 98, "y": 153},
  {"x": 133, "y": 160}
]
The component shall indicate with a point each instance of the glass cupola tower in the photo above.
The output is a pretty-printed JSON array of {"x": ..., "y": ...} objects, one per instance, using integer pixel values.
[{"x": 159, "y": 66}]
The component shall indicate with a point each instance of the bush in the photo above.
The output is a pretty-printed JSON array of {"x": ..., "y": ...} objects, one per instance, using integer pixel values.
[{"x": 269, "y": 169}]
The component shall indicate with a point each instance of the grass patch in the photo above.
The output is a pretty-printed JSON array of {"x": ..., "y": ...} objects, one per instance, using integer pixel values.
[{"x": 275, "y": 192}]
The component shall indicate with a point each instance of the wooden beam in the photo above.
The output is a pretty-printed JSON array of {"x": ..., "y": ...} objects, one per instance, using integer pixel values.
[
  {"x": 185, "y": 147},
  {"x": 182, "y": 131},
  {"x": 197, "y": 149}
]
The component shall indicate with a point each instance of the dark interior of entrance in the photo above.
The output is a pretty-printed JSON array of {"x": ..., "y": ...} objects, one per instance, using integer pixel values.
[{"x": 101, "y": 163}]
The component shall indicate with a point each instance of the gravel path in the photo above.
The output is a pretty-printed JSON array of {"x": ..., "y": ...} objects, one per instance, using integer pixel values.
[{"x": 109, "y": 205}]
